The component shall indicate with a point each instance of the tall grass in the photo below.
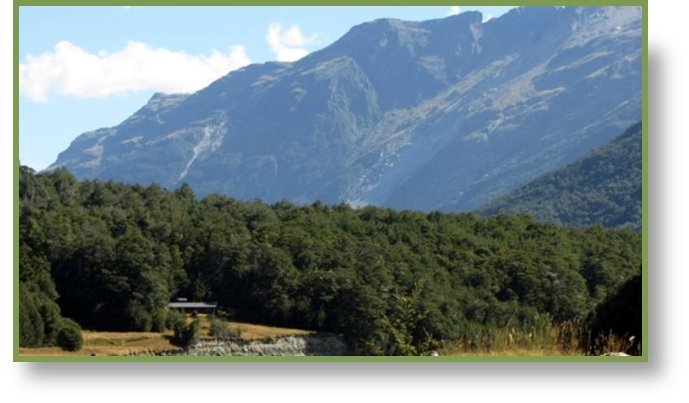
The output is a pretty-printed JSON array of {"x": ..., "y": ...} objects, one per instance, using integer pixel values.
[
  {"x": 604, "y": 344},
  {"x": 541, "y": 338}
]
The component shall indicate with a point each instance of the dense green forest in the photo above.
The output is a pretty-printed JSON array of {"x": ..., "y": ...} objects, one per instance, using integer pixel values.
[
  {"x": 602, "y": 187},
  {"x": 111, "y": 256}
]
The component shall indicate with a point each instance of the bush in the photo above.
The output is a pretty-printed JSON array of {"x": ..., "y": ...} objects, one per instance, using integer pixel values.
[
  {"x": 186, "y": 335},
  {"x": 69, "y": 336},
  {"x": 31, "y": 333},
  {"x": 172, "y": 318},
  {"x": 221, "y": 331},
  {"x": 218, "y": 328}
]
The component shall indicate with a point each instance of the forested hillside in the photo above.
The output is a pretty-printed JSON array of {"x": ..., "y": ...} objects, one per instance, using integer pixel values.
[
  {"x": 602, "y": 187},
  {"x": 111, "y": 256}
]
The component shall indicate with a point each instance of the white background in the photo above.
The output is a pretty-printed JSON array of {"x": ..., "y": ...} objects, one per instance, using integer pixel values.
[{"x": 664, "y": 378}]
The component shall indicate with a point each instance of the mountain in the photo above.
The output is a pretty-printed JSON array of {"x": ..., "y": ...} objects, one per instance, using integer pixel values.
[
  {"x": 439, "y": 114},
  {"x": 602, "y": 187}
]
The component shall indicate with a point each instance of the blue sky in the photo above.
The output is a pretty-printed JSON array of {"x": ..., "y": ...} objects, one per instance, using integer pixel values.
[{"x": 82, "y": 68}]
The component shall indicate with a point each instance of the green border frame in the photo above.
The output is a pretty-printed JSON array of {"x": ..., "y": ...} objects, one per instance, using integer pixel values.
[{"x": 644, "y": 205}]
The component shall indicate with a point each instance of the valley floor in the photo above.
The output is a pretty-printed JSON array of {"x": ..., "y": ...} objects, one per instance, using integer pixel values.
[{"x": 143, "y": 343}]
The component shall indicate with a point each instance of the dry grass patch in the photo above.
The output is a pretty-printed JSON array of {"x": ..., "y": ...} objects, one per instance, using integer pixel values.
[
  {"x": 255, "y": 332},
  {"x": 110, "y": 343},
  {"x": 252, "y": 331},
  {"x": 461, "y": 351},
  {"x": 130, "y": 343}
]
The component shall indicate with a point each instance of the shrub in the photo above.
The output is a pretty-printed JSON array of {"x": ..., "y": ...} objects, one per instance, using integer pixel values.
[
  {"x": 172, "y": 318},
  {"x": 69, "y": 336},
  {"x": 218, "y": 328},
  {"x": 221, "y": 331},
  {"x": 30, "y": 321},
  {"x": 186, "y": 335}
]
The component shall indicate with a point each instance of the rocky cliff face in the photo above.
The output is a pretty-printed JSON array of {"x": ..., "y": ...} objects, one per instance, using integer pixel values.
[{"x": 445, "y": 113}]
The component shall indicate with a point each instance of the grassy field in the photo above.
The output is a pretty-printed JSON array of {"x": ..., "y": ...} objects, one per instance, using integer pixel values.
[
  {"x": 559, "y": 340},
  {"x": 110, "y": 343},
  {"x": 130, "y": 343},
  {"x": 564, "y": 339}
]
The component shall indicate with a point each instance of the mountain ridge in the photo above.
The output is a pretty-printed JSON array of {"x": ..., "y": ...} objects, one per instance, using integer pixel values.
[{"x": 412, "y": 115}]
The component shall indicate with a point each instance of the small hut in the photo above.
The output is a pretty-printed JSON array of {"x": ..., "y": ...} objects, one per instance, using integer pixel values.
[{"x": 182, "y": 305}]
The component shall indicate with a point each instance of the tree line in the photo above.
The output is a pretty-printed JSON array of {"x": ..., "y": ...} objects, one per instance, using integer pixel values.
[{"x": 111, "y": 256}]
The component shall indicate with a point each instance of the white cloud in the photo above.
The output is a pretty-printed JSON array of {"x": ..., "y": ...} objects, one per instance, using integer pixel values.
[
  {"x": 289, "y": 44},
  {"x": 71, "y": 70},
  {"x": 454, "y": 10}
]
